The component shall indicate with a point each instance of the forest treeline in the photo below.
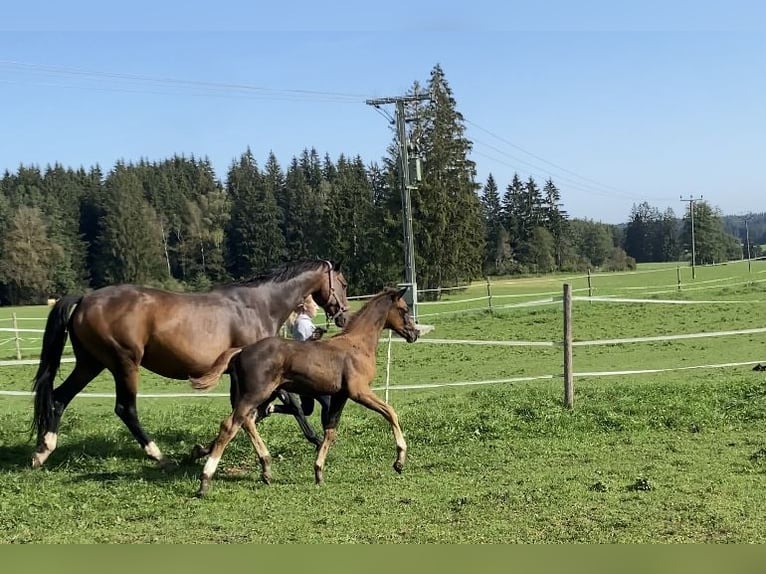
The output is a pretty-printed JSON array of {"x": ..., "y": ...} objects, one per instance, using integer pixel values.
[{"x": 176, "y": 224}]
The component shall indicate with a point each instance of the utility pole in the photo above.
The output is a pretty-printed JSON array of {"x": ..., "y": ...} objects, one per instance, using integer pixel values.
[
  {"x": 747, "y": 238},
  {"x": 691, "y": 201},
  {"x": 409, "y": 174}
]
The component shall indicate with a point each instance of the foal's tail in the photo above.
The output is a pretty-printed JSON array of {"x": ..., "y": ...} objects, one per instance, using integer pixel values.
[
  {"x": 50, "y": 360},
  {"x": 211, "y": 378}
]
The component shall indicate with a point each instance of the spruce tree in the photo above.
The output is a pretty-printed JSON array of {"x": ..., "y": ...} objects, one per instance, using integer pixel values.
[
  {"x": 129, "y": 242},
  {"x": 497, "y": 251},
  {"x": 512, "y": 210},
  {"x": 448, "y": 227},
  {"x": 63, "y": 194},
  {"x": 554, "y": 218},
  {"x": 301, "y": 212},
  {"x": 641, "y": 233},
  {"x": 255, "y": 240}
]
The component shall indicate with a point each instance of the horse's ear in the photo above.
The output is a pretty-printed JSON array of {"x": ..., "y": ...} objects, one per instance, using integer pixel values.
[
  {"x": 401, "y": 292},
  {"x": 337, "y": 265}
]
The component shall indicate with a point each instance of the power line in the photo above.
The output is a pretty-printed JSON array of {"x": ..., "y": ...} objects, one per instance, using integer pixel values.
[
  {"x": 281, "y": 93},
  {"x": 558, "y": 180},
  {"x": 572, "y": 183},
  {"x": 537, "y": 157},
  {"x": 608, "y": 191}
]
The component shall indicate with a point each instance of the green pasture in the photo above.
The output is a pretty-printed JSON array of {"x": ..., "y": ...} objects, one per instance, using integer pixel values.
[{"x": 675, "y": 456}]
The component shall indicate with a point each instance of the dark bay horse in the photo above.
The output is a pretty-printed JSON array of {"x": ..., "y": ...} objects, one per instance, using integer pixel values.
[
  {"x": 176, "y": 335},
  {"x": 342, "y": 367}
]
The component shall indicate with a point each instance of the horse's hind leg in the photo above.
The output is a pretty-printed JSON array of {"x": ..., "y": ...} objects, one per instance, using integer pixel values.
[
  {"x": 126, "y": 387},
  {"x": 324, "y": 403},
  {"x": 82, "y": 374},
  {"x": 373, "y": 402},
  {"x": 295, "y": 406},
  {"x": 265, "y": 409},
  {"x": 228, "y": 430},
  {"x": 337, "y": 402},
  {"x": 260, "y": 448}
]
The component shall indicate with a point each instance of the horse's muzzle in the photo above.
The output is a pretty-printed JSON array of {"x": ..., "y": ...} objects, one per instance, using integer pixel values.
[
  {"x": 341, "y": 319},
  {"x": 411, "y": 335}
]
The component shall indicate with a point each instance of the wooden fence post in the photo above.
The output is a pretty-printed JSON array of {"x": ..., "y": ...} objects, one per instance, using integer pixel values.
[
  {"x": 590, "y": 285},
  {"x": 678, "y": 276},
  {"x": 16, "y": 337},
  {"x": 568, "y": 384},
  {"x": 489, "y": 295}
]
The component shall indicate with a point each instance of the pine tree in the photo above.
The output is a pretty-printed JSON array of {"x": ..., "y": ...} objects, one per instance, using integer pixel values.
[
  {"x": 554, "y": 218},
  {"x": 301, "y": 212},
  {"x": 640, "y": 232},
  {"x": 448, "y": 227},
  {"x": 497, "y": 251},
  {"x": 256, "y": 243},
  {"x": 129, "y": 242},
  {"x": 513, "y": 210},
  {"x": 711, "y": 242},
  {"x": 63, "y": 194}
]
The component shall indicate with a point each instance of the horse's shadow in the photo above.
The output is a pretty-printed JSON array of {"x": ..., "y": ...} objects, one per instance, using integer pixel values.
[{"x": 76, "y": 456}]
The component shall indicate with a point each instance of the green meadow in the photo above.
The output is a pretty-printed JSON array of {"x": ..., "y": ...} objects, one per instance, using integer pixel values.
[{"x": 674, "y": 455}]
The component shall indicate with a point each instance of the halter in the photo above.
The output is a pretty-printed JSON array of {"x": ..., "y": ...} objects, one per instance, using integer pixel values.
[{"x": 341, "y": 308}]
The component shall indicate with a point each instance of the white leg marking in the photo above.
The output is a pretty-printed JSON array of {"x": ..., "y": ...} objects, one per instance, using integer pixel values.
[
  {"x": 210, "y": 466},
  {"x": 153, "y": 451},
  {"x": 46, "y": 448},
  {"x": 50, "y": 440}
]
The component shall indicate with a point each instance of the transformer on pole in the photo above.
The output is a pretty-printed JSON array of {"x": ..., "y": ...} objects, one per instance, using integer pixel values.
[{"x": 409, "y": 175}]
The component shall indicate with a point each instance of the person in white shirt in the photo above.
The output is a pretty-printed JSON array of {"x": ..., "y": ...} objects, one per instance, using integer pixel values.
[{"x": 303, "y": 329}]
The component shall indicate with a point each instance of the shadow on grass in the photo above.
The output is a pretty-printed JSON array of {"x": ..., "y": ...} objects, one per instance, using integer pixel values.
[{"x": 80, "y": 453}]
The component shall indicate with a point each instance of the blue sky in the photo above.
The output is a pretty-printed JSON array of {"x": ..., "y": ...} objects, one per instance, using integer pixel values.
[{"x": 617, "y": 102}]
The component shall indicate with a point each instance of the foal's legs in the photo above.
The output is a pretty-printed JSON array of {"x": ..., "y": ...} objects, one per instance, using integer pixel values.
[
  {"x": 229, "y": 428},
  {"x": 260, "y": 447},
  {"x": 200, "y": 451},
  {"x": 337, "y": 402},
  {"x": 373, "y": 402},
  {"x": 84, "y": 372},
  {"x": 324, "y": 402}
]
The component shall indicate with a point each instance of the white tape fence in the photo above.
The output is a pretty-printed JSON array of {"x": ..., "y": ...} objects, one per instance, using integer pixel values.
[{"x": 567, "y": 344}]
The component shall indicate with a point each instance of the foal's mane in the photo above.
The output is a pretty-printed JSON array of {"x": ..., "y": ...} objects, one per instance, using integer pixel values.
[
  {"x": 279, "y": 274},
  {"x": 372, "y": 307}
]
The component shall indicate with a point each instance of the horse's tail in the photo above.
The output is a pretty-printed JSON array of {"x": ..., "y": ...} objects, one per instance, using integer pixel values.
[
  {"x": 211, "y": 378},
  {"x": 54, "y": 339}
]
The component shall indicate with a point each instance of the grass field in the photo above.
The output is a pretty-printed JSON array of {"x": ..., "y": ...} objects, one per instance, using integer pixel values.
[{"x": 678, "y": 456}]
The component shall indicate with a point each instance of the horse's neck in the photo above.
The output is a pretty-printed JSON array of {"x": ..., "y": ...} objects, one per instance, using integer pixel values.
[
  {"x": 367, "y": 334},
  {"x": 280, "y": 298}
]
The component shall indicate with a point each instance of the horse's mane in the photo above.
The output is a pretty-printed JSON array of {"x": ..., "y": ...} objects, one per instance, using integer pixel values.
[
  {"x": 278, "y": 274},
  {"x": 370, "y": 307}
]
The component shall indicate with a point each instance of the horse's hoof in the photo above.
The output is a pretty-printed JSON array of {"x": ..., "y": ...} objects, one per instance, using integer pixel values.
[
  {"x": 198, "y": 452},
  {"x": 266, "y": 478},
  {"x": 36, "y": 462},
  {"x": 204, "y": 486},
  {"x": 398, "y": 467}
]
